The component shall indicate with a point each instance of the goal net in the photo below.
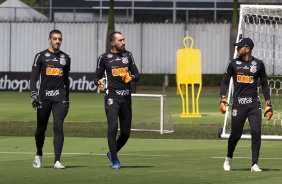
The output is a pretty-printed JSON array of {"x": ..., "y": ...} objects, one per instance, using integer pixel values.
[
  {"x": 150, "y": 112},
  {"x": 263, "y": 24}
]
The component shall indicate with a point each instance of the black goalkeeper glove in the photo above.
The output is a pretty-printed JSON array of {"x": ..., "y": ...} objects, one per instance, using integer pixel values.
[{"x": 35, "y": 101}]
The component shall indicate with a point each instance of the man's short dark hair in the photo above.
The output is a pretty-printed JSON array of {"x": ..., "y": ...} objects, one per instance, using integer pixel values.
[
  {"x": 113, "y": 34},
  {"x": 55, "y": 31}
]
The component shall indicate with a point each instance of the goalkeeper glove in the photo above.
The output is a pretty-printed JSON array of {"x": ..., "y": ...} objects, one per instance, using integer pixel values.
[
  {"x": 101, "y": 83},
  {"x": 268, "y": 112},
  {"x": 222, "y": 105},
  {"x": 126, "y": 77},
  {"x": 35, "y": 101}
]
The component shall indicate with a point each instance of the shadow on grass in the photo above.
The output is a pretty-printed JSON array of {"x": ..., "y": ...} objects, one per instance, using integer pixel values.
[
  {"x": 263, "y": 169},
  {"x": 67, "y": 167},
  {"x": 137, "y": 167}
]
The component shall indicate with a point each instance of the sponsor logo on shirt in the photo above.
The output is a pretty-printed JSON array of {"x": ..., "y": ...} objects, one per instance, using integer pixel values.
[
  {"x": 52, "y": 93},
  {"x": 234, "y": 112},
  {"x": 245, "y": 100},
  {"x": 245, "y": 79},
  {"x": 54, "y": 71},
  {"x": 122, "y": 92},
  {"x": 119, "y": 71},
  {"x": 110, "y": 101}
]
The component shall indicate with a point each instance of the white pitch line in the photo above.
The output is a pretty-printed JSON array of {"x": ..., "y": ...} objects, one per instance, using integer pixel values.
[
  {"x": 95, "y": 154},
  {"x": 250, "y": 158}
]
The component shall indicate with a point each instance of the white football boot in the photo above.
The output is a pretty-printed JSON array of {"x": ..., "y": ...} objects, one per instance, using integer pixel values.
[
  {"x": 58, "y": 165},
  {"x": 255, "y": 168},
  {"x": 227, "y": 164},
  {"x": 37, "y": 163}
]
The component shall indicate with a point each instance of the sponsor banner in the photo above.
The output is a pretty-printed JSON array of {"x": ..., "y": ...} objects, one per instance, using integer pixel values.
[{"x": 19, "y": 81}]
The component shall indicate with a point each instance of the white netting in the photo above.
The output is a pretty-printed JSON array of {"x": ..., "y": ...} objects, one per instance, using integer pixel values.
[
  {"x": 151, "y": 113},
  {"x": 263, "y": 24}
]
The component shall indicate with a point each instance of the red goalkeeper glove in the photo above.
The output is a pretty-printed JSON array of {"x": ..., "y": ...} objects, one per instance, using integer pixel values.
[
  {"x": 222, "y": 105},
  {"x": 268, "y": 112},
  {"x": 126, "y": 77}
]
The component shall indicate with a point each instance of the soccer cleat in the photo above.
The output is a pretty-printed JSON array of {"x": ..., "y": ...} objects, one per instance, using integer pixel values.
[
  {"x": 58, "y": 165},
  {"x": 227, "y": 164},
  {"x": 255, "y": 168},
  {"x": 37, "y": 162},
  {"x": 116, "y": 165},
  {"x": 110, "y": 158}
]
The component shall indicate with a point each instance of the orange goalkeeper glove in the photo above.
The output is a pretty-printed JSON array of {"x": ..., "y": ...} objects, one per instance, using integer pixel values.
[
  {"x": 101, "y": 83},
  {"x": 268, "y": 112},
  {"x": 222, "y": 105},
  {"x": 126, "y": 77}
]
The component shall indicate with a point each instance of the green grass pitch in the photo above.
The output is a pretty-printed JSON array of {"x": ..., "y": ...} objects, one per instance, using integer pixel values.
[
  {"x": 163, "y": 161},
  {"x": 192, "y": 154}
]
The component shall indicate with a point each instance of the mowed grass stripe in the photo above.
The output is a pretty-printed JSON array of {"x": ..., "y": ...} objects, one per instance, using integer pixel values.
[{"x": 188, "y": 161}]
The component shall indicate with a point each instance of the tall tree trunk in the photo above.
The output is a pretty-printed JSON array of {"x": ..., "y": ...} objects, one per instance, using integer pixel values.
[
  {"x": 111, "y": 25},
  {"x": 234, "y": 28}
]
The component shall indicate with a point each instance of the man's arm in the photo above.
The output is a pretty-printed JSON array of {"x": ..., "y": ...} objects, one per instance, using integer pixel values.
[
  {"x": 36, "y": 66},
  {"x": 134, "y": 70},
  {"x": 264, "y": 83},
  {"x": 223, "y": 88},
  {"x": 35, "y": 101},
  {"x": 66, "y": 79},
  {"x": 100, "y": 69},
  {"x": 225, "y": 80},
  {"x": 268, "y": 112}
]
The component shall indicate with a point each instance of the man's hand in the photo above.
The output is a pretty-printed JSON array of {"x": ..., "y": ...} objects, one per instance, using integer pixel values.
[
  {"x": 35, "y": 101},
  {"x": 222, "y": 105},
  {"x": 126, "y": 77},
  {"x": 101, "y": 83},
  {"x": 268, "y": 112}
]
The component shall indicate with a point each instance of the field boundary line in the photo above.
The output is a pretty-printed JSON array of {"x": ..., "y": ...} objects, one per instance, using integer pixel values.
[
  {"x": 94, "y": 154},
  {"x": 249, "y": 158}
]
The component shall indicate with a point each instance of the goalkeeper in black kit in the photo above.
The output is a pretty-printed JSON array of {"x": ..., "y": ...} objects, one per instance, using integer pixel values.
[
  {"x": 115, "y": 69},
  {"x": 245, "y": 71},
  {"x": 51, "y": 67}
]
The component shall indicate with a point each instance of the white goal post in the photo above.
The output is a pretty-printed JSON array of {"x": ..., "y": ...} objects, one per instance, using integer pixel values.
[
  {"x": 263, "y": 24},
  {"x": 150, "y": 112}
]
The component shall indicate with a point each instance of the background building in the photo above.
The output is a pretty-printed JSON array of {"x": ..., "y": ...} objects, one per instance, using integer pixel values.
[{"x": 150, "y": 11}]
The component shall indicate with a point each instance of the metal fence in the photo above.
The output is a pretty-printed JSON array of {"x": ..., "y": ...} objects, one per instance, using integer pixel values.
[{"x": 153, "y": 46}]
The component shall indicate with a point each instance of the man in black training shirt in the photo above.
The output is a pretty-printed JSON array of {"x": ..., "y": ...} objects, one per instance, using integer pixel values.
[
  {"x": 245, "y": 71},
  {"x": 115, "y": 69},
  {"x": 51, "y": 67}
]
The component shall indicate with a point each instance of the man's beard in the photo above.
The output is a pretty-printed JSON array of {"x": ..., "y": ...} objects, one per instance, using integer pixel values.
[
  {"x": 120, "y": 49},
  {"x": 241, "y": 54}
]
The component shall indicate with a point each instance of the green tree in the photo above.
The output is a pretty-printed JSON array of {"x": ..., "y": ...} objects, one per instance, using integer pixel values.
[
  {"x": 111, "y": 24},
  {"x": 234, "y": 28},
  {"x": 31, "y": 3}
]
